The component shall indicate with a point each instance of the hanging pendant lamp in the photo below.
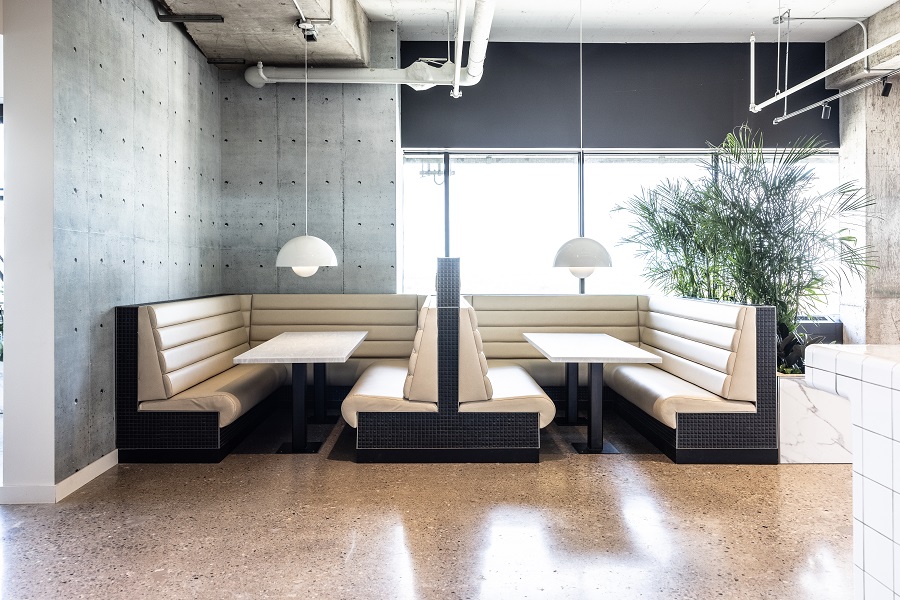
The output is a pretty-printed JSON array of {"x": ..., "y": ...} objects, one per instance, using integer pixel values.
[
  {"x": 306, "y": 253},
  {"x": 581, "y": 255}
]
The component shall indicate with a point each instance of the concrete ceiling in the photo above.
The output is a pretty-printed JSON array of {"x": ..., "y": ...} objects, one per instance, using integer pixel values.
[
  {"x": 629, "y": 21},
  {"x": 264, "y": 29}
]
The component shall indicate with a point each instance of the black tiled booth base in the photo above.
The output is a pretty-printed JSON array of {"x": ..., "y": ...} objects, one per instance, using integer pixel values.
[
  {"x": 459, "y": 437},
  {"x": 167, "y": 436},
  {"x": 724, "y": 438}
]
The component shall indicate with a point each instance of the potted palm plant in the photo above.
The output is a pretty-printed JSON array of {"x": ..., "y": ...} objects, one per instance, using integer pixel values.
[{"x": 754, "y": 230}]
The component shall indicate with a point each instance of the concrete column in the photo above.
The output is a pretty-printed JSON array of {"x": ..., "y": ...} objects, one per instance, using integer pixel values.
[
  {"x": 870, "y": 155},
  {"x": 28, "y": 457}
]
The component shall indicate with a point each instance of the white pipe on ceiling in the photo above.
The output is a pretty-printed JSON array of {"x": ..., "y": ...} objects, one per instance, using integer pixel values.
[
  {"x": 461, "y": 6},
  {"x": 419, "y": 75}
]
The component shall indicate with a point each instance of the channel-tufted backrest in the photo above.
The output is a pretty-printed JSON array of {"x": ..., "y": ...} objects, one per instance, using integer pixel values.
[
  {"x": 185, "y": 342},
  {"x": 710, "y": 344},
  {"x": 390, "y": 319},
  {"x": 422, "y": 376}
]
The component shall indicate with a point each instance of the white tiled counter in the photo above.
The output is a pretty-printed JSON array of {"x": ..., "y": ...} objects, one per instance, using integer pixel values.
[{"x": 870, "y": 377}]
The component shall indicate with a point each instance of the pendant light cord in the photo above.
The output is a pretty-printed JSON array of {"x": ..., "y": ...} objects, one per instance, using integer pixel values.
[
  {"x": 581, "y": 76},
  {"x": 306, "y": 133}
]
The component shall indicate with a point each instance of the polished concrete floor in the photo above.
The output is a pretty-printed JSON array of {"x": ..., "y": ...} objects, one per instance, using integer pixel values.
[{"x": 617, "y": 527}]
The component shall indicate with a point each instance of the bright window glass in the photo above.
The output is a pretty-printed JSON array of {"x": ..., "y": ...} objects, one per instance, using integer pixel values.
[
  {"x": 421, "y": 216},
  {"x": 610, "y": 180},
  {"x": 509, "y": 214}
]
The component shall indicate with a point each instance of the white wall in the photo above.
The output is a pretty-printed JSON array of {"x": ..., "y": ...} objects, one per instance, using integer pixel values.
[{"x": 28, "y": 457}]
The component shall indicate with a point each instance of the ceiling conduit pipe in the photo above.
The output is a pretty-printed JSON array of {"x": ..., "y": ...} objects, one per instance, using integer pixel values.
[
  {"x": 461, "y": 8},
  {"x": 419, "y": 75}
]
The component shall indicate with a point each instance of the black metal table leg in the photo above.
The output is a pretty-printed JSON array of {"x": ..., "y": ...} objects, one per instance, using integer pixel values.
[
  {"x": 595, "y": 443},
  {"x": 571, "y": 393},
  {"x": 299, "y": 443},
  {"x": 319, "y": 391}
]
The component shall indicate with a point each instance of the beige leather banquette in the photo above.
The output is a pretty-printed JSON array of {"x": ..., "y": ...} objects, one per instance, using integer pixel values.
[
  {"x": 708, "y": 352},
  {"x": 707, "y": 366},
  {"x": 185, "y": 350},
  {"x": 412, "y": 385},
  {"x": 390, "y": 320}
]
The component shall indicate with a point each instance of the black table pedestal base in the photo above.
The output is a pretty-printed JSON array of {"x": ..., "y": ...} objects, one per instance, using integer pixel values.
[
  {"x": 582, "y": 448},
  {"x": 309, "y": 448}
]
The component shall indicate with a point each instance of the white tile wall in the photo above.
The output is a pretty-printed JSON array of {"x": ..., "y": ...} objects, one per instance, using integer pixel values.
[{"x": 869, "y": 376}]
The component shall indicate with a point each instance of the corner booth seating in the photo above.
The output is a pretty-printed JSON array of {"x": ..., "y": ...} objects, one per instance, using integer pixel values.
[{"x": 712, "y": 399}]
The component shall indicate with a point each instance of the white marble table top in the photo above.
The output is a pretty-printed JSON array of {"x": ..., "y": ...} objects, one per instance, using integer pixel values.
[
  {"x": 588, "y": 348},
  {"x": 305, "y": 347}
]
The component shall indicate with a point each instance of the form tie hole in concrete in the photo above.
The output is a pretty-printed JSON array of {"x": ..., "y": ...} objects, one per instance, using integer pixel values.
[
  {"x": 76, "y": 260},
  {"x": 76, "y": 329},
  {"x": 260, "y": 224},
  {"x": 76, "y": 400},
  {"x": 260, "y": 183},
  {"x": 74, "y": 49},
  {"x": 293, "y": 183},
  {"x": 327, "y": 182},
  {"x": 101, "y": 260},
  {"x": 75, "y": 119}
]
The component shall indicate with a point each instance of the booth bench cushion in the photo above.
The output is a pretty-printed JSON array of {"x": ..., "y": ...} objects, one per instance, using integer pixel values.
[
  {"x": 185, "y": 358},
  {"x": 708, "y": 364},
  {"x": 392, "y": 386}
]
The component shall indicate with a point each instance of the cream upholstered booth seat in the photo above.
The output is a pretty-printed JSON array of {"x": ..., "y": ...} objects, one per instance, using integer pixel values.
[
  {"x": 708, "y": 352},
  {"x": 412, "y": 385},
  {"x": 708, "y": 365},
  {"x": 185, "y": 352}
]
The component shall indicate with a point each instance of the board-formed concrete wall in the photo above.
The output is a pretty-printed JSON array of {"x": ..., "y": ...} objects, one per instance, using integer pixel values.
[
  {"x": 137, "y": 185},
  {"x": 353, "y": 157}
]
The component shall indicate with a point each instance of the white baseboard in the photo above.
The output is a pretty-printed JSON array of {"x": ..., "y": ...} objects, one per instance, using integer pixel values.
[
  {"x": 28, "y": 494},
  {"x": 49, "y": 494},
  {"x": 86, "y": 475}
]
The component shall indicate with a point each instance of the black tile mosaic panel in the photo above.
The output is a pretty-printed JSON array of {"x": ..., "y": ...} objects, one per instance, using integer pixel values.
[
  {"x": 742, "y": 430},
  {"x": 434, "y": 430}
]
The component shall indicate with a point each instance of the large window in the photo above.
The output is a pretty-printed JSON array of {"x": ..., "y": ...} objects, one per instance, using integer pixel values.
[{"x": 510, "y": 212}]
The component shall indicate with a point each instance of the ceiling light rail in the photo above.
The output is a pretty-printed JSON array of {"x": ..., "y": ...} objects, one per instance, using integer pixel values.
[
  {"x": 754, "y": 107},
  {"x": 823, "y": 103}
]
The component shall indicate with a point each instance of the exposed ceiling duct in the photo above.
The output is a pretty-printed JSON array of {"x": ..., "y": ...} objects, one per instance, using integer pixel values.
[{"x": 420, "y": 75}]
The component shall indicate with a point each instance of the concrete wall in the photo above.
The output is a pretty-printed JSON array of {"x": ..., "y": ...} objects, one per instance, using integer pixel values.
[
  {"x": 870, "y": 155},
  {"x": 136, "y": 214},
  {"x": 353, "y": 156}
]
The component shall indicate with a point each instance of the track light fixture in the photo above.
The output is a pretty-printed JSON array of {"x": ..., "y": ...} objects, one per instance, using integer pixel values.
[
  {"x": 309, "y": 29},
  {"x": 826, "y": 111},
  {"x": 886, "y": 87}
]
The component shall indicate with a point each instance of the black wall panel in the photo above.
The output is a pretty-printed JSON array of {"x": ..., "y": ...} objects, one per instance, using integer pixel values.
[{"x": 635, "y": 96}]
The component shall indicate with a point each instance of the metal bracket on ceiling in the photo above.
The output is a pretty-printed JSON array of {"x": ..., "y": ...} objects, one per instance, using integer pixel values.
[{"x": 165, "y": 16}]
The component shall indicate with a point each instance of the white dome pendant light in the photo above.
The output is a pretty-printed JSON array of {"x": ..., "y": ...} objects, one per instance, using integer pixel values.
[
  {"x": 581, "y": 255},
  {"x": 306, "y": 253}
]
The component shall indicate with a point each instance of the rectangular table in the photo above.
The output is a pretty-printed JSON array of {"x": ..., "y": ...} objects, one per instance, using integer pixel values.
[
  {"x": 300, "y": 349},
  {"x": 594, "y": 349}
]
